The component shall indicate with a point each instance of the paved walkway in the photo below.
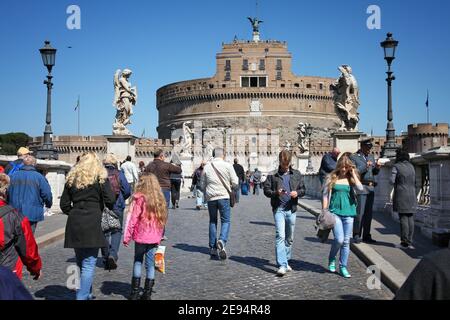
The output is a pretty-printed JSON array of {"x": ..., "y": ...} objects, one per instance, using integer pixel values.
[
  {"x": 249, "y": 273},
  {"x": 386, "y": 231}
]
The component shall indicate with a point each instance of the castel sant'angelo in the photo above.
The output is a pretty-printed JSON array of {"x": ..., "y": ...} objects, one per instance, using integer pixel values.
[{"x": 253, "y": 87}]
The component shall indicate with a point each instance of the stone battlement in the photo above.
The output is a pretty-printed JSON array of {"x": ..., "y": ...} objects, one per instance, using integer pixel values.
[{"x": 428, "y": 129}]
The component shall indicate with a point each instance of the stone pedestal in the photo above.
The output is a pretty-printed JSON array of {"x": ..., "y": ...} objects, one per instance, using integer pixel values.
[
  {"x": 301, "y": 163},
  {"x": 121, "y": 146},
  {"x": 347, "y": 141}
]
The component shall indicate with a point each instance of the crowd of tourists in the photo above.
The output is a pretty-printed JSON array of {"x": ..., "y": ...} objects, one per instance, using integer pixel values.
[{"x": 97, "y": 192}]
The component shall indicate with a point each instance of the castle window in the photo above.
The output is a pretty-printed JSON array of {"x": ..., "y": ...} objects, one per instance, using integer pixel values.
[
  {"x": 245, "y": 65},
  {"x": 211, "y": 86},
  {"x": 224, "y": 85},
  {"x": 262, "y": 64},
  {"x": 279, "y": 75},
  {"x": 279, "y": 65},
  {"x": 296, "y": 85},
  {"x": 308, "y": 86},
  {"x": 262, "y": 82},
  {"x": 253, "y": 82},
  {"x": 321, "y": 86},
  {"x": 228, "y": 76},
  {"x": 283, "y": 85},
  {"x": 227, "y": 65}
]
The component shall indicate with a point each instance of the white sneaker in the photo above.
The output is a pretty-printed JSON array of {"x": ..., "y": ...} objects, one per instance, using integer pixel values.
[
  {"x": 282, "y": 271},
  {"x": 288, "y": 269}
]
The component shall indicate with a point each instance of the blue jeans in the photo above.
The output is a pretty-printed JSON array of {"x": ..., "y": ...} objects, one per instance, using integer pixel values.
[
  {"x": 86, "y": 261},
  {"x": 223, "y": 206},
  {"x": 113, "y": 239},
  {"x": 237, "y": 191},
  {"x": 147, "y": 250},
  {"x": 166, "y": 193},
  {"x": 342, "y": 233},
  {"x": 200, "y": 198},
  {"x": 284, "y": 237}
]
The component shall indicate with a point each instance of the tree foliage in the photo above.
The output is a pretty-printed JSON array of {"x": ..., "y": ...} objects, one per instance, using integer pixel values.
[{"x": 11, "y": 142}]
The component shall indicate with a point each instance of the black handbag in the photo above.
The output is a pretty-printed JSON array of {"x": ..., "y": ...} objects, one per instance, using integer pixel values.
[{"x": 110, "y": 220}]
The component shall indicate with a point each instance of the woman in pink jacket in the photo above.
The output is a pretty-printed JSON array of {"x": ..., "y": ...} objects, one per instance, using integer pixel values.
[{"x": 145, "y": 225}]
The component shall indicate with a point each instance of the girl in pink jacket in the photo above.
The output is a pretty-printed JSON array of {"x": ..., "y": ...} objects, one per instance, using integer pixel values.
[{"x": 145, "y": 225}]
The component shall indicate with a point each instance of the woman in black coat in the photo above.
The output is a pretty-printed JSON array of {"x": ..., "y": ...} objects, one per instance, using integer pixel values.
[{"x": 85, "y": 194}]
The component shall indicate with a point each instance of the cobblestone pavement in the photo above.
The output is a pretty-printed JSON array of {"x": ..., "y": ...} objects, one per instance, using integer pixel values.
[{"x": 249, "y": 273}]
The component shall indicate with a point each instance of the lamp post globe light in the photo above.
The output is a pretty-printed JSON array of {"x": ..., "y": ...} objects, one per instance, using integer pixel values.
[
  {"x": 47, "y": 151},
  {"x": 309, "y": 131},
  {"x": 390, "y": 146}
]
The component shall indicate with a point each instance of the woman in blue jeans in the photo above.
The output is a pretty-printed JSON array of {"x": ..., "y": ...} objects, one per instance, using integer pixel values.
[
  {"x": 86, "y": 192},
  {"x": 340, "y": 199}
]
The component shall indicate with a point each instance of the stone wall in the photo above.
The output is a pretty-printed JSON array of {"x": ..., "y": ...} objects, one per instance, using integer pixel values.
[{"x": 54, "y": 171}]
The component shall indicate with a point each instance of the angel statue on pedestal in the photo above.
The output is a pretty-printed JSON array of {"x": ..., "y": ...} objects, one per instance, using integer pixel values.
[{"x": 125, "y": 97}]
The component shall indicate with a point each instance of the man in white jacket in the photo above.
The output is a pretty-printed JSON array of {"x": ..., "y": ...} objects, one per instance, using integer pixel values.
[
  {"x": 130, "y": 171},
  {"x": 218, "y": 196}
]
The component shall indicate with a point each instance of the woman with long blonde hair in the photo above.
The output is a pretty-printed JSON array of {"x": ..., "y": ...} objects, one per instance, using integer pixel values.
[
  {"x": 145, "y": 225},
  {"x": 86, "y": 192},
  {"x": 340, "y": 199}
]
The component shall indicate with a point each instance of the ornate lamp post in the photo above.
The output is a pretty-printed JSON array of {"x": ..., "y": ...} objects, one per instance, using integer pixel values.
[
  {"x": 47, "y": 151},
  {"x": 390, "y": 146},
  {"x": 309, "y": 131}
]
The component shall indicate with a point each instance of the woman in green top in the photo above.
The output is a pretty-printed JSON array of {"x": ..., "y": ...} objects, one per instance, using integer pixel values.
[{"x": 339, "y": 198}]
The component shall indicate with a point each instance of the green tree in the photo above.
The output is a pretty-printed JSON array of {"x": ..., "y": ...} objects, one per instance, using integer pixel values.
[{"x": 11, "y": 142}]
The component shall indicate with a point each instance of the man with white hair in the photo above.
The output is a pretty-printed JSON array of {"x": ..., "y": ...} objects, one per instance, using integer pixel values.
[
  {"x": 218, "y": 181},
  {"x": 15, "y": 165},
  {"x": 29, "y": 191}
]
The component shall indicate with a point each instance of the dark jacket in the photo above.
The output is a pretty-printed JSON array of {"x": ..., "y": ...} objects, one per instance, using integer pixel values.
[
  {"x": 360, "y": 161},
  {"x": 162, "y": 171},
  {"x": 327, "y": 165},
  {"x": 239, "y": 171},
  {"x": 17, "y": 243},
  {"x": 430, "y": 279},
  {"x": 28, "y": 192},
  {"x": 274, "y": 182},
  {"x": 12, "y": 288},
  {"x": 125, "y": 191},
  {"x": 84, "y": 208},
  {"x": 404, "y": 180}
]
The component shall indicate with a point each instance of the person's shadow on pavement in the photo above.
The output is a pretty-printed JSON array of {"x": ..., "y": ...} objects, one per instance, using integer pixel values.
[{"x": 55, "y": 292}]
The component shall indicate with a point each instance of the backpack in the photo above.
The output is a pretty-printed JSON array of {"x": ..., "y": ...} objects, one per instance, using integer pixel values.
[
  {"x": 15, "y": 167},
  {"x": 114, "y": 180}
]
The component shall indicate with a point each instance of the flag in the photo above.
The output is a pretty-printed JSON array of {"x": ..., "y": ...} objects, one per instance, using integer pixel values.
[
  {"x": 78, "y": 104},
  {"x": 143, "y": 133},
  {"x": 428, "y": 99}
]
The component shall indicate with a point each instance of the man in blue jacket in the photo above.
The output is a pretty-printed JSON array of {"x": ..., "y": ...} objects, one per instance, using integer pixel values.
[
  {"x": 328, "y": 164},
  {"x": 368, "y": 168},
  {"x": 29, "y": 191}
]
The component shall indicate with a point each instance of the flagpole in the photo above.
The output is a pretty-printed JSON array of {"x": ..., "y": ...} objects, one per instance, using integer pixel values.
[
  {"x": 428, "y": 106},
  {"x": 79, "y": 107}
]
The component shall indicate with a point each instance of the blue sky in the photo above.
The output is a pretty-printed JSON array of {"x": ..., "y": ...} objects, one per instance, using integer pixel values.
[{"x": 169, "y": 41}]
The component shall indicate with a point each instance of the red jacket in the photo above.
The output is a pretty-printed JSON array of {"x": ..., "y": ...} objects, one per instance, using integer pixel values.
[{"x": 17, "y": 243}]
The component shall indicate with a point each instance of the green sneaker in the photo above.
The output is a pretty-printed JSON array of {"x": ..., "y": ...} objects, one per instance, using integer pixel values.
[
  {"x": 332, "y": 265},
  {"x": 344, "y": 272}
]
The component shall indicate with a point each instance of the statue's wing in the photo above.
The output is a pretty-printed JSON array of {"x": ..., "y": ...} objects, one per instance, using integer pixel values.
[
  {"x": 251, "y": 20},
  {"x": 116, "y": 88}
]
